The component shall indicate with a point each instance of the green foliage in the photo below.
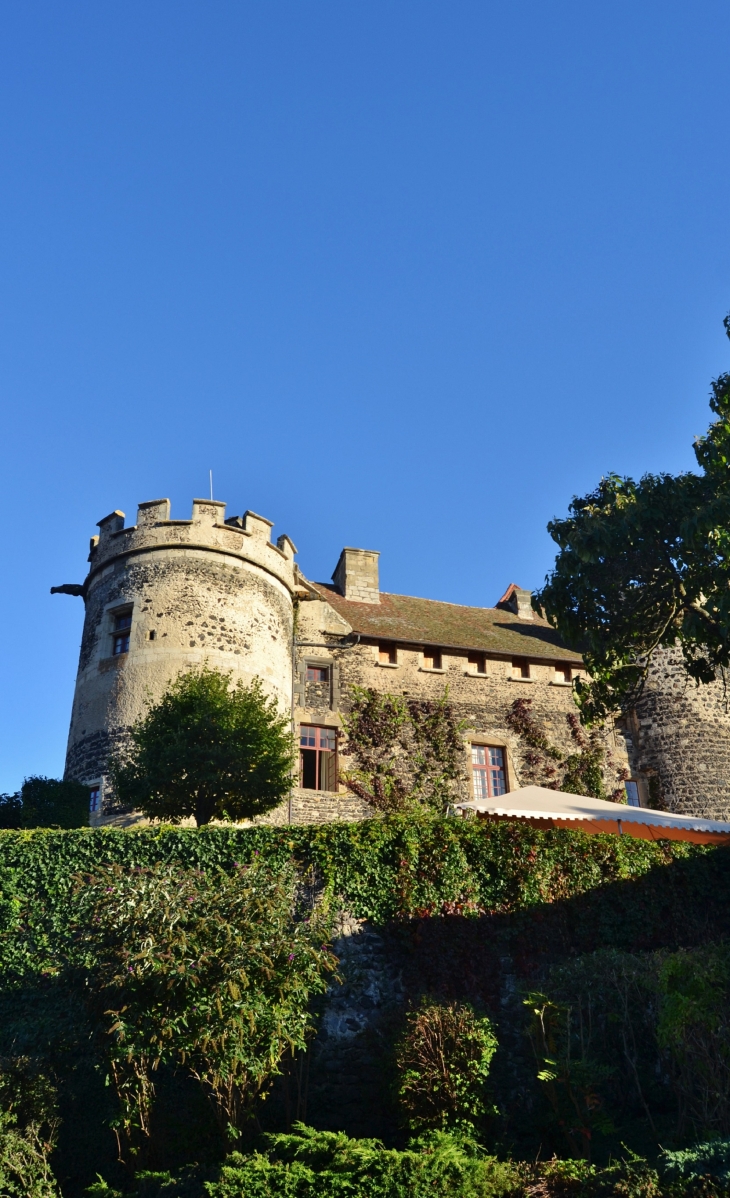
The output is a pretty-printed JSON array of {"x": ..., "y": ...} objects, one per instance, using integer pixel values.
[
  {"x": 631, "y": 1177},
  {"x": 443, "y": 1060},
  {"x": 710, "y": 1159},
  {"x": 49, "y": 802},
  {"x": 622, "y": 1035},
  {"x": 320, "y": 1164},
  {"x": 382, "y": 869},
  {"x": 24, "y": 1168},
  {"x": 11, "y": 810},
  {"x": 694, "y": 1025},
  {"x": 408, "y": 753},
  {"x": 207, "y": 749},
  {"x": 210, "y": 972},
  {"x": 645, "y": 565},
  {"x": 572, "y": 1081},
  {"x": 581, "y": 772}
]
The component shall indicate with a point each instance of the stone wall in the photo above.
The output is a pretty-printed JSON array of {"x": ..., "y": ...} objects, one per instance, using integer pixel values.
[
  {"x": 481, "y": 700},
  {"x": 198, "y": 592},
  {"x": 680, "y": 740}
]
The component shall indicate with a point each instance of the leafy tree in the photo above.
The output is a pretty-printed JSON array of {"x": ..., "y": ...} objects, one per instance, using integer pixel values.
[
  {"x": 443, "y": 1060},
  {"x": 209, "y": 972},
  {"x": 207, "y": 749},
  {"x": 49, "y": 802},
  {"x": 11, "y": 810},
  {"x": 646, "y": 565}
]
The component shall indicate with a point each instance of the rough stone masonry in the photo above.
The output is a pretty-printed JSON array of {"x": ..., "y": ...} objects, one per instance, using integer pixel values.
[{"x": 165, "y": 595}]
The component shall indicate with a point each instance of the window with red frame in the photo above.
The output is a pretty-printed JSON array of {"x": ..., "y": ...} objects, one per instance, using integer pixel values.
[
  {"x": 317, "y": 758},
  {"x": 318, "y": 674},
  {"x": 488, "y": 772}
]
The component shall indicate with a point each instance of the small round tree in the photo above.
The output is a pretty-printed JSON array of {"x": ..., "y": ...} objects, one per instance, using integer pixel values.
[
  {"x": 443, "y": 1059},
  {"x": 207, "y": 749}
]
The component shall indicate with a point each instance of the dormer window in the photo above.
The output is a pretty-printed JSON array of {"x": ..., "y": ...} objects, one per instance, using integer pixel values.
[{"x": 120, "y": 635}]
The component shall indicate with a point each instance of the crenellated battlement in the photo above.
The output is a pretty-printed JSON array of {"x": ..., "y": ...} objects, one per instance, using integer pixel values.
[{"x": 246, "y": 537}]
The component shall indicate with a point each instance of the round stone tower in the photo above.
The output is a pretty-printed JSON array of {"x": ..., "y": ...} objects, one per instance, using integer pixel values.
[
  {"x": 679, "y": 740},
  {"x": 165, "y": 595}
]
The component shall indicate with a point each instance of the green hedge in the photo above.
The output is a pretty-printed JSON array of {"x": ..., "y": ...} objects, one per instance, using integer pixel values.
[{"x": 383, "y": 868}]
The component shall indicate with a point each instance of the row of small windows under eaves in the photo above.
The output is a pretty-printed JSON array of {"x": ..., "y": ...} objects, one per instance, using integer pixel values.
[{"x": 521, "y": 669}]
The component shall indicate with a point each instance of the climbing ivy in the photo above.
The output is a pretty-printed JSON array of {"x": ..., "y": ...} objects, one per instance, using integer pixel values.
[
  {"x": 584, "y": 771},
  {"x": 408, "y": 753}
]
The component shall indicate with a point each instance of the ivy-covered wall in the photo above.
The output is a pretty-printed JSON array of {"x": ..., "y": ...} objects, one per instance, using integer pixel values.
[
  {"x": 451, "y": 908},
  {"x": 383, "y": 869}
]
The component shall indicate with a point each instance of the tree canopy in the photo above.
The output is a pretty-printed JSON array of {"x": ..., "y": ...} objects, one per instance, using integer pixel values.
[
  {"x": 646, "y": 565},
  {"x": 206, "y": 749},
  {"x": 46, "y": 803}
]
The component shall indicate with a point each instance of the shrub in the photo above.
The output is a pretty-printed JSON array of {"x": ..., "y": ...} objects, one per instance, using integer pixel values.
[
  {"x": 443, "y": 1060},
  {"x": 24, "y": 1168},
  {"x": 694, "y": 1025},
  {"x": 210, "y": 972},
  {"x": 711, "y": 1159},
  {"x": 320, "y": 1164}
]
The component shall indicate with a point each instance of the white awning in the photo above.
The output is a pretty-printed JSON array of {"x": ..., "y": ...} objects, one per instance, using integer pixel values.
[{"x": 554, "y": 808}]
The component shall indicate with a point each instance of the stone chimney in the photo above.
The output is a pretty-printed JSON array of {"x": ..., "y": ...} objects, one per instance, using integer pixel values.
[
  {"x": 518, "y": 601},
  {"x": 356, "y": 575}
]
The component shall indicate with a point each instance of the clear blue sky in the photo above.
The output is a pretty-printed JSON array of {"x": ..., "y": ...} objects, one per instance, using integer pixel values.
[{"x": 405, "y": 275}]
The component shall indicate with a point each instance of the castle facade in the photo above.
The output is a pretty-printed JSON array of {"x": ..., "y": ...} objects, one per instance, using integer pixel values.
[{"x": 164, "y": 595}]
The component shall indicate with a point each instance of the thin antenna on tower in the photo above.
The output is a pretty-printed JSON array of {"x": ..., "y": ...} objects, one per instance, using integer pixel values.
[{"x": 211, "y": 485}]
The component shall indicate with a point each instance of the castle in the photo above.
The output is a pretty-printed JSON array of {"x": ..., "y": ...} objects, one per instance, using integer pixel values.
[{"x": 164, "y": 595}]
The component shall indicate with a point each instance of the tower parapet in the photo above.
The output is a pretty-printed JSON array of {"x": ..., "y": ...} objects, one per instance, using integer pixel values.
[{"x": 165, "y": 595}]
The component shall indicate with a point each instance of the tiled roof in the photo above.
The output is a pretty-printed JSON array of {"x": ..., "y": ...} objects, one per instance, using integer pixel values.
[{"x": 448, "y": 625}]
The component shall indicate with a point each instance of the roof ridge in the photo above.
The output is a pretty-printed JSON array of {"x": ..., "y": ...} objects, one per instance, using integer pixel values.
[{"x": 420, "y": 598}]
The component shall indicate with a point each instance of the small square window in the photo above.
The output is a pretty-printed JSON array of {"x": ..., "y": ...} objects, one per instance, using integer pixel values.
[
  {"x": 318, "y": 674},
  {"x": 387, "y": 654},
  {"x": 563, "y": 673},
  {"x": 477, "y": 663},
  {"x": 94, "y": 799},
  {"x": 520, "y": 668},
  {"x": 432, "y": 659}
]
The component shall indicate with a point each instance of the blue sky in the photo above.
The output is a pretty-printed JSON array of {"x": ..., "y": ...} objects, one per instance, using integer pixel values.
[{"x": 404, "y": 275}]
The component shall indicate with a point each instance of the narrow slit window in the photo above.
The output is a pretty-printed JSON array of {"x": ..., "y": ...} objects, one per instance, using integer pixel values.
[
  {"x": 632, "y": 793},
  {"x": 317, "y": 758},
  {"x": 94, "y": 799},
  {"x": 488, "y": 772}
]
